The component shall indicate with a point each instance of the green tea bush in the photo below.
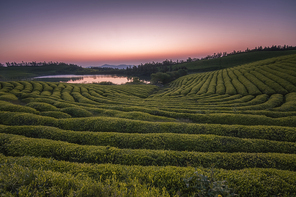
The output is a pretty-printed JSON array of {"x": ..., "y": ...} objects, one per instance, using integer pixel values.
[
  {"x": 107, "y": 124},
  {"x": 259, "y": 99},
  {"x": 281, "y": 78},
  {"x": 37, "y": 88},
  {"x": 6, "y": 87},
  {"x": 240, "y": 88},
  {"x": 45, "y": 93},
  {"x": 204, "y": 88},
  {"x": 290, "y": 104},
  {"x": 283, "y": 67},
  {"x": 17, "y": 87},
  {"x": 220, "y": 88},
  {"x": 269, "y": 82},
  {"x": 268, "y": 113},
  {"x": 6, "y": 106},
  {"x": 8, "y": 97},
  {"x": 207, "y": 186},
  {"x": 247, "y": 182},
  {"x": 230, "y": 89},
  {"x": 143, "y": 116},
  {"x": 76, "y": 88},
  {"x": 213, "y": 84},
  {"x": 14, "y": 145},
  {"x": 63, "y": 104},
  {"x": 76, "y": 112},
  {"x": 265, "y": 89},
  {"x": 57, "y": 90},
  {"x": 68, "y": 88},
  {"x": 52, "y": 84},
  {"x": 275, "y": 100},
  {"x": 162, "y": 141},
  {"x": 219, "y": 100},
  {"x": 55, "y": 114},
  {"x": 197, "y": 87},
  {"x": 270, "y": 182},
  {"x": 238, "y": 102},
  {"x": 93, "y": 99},
  {"x": 46, "y": 86},
  {"x": 67, "y": 97},
  {"x": 276, "y": 70},
  {"x": 19, "y": 118},
  {"x": 252, "y": 89},
  {"x": 82, "y": 99},
  {"x": 97, "y": 94},
  {"x": 17, "y": 180},
  {"x": 42, "y": 106},
  {"x": 28, "y": 87}
]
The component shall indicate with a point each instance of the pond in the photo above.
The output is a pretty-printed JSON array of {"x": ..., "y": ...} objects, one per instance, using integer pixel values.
[{"x": 87, "y": 79}]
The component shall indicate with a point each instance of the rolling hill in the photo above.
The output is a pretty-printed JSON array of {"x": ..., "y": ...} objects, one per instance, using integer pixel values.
[{"x": 143, "y": 140}]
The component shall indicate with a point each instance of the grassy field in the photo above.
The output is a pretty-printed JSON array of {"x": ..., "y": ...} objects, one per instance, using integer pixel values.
[{"x": 235, "y": 124}]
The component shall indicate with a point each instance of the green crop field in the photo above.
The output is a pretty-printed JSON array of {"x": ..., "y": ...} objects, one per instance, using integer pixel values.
[{"x": 237, "y": 124}]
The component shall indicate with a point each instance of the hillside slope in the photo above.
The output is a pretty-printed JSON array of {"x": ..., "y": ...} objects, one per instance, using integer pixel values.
[
  {"x": 232, "y": 60},
  {"x": 142, "y": 140},
  {"x": 270, "y": 76}
]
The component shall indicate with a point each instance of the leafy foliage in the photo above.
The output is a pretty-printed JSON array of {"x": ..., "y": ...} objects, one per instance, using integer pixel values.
[{"x": 143, "y": 140}]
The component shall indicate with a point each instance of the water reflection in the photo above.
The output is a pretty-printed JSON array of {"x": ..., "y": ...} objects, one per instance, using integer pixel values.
[{"x": 86, "y": 79}]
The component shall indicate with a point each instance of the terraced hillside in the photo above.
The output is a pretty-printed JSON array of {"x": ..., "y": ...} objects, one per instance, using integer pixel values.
[{"x": 141, "y": 140}]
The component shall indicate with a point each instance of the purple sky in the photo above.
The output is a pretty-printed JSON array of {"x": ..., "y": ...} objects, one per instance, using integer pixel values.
[{"x": 94, "y": 32}]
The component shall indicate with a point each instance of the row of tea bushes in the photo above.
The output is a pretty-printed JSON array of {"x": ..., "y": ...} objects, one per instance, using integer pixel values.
[
  {"x": 156, "y": 141},
  {"x": 106, "y": 124},
  {"x": 17, "y": 180},
  {"x": 15, "y": 145},
  {"x": 260, "y": 102},
  {"x": 251, "y": 88},
  {"x": 265, "y": 89},
  {"x": 116, "y": 111},
  {"x": 7, "y": 106},
  {"x": 262, "y": 77},
  {"x": 290, "y": 104},
  {"x": 215, "y": 118},
  {"x": 251, "y": 182}
]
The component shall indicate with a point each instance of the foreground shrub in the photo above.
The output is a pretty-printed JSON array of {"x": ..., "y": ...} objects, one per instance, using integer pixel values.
[
  {"x": 207, "y": 186},
  {"x": 249, "y": 182},
  {"x": 16, "y": 180}
]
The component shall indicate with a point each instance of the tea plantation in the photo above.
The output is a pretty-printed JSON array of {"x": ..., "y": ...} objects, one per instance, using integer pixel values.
[{"x": 236, "y": 124}]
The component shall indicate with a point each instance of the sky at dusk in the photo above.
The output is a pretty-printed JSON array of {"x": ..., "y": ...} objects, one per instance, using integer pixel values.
[{"x": 95, "y": 32}]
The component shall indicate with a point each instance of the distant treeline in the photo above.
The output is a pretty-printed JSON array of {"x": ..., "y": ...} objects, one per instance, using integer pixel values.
[
  {"x": 168, "y": 65},
  {"x": 160, "y": 72},
  {"x": 260, "y": 48},
  {"x": 153, "y": 67},
  {"x": 35, "y": 64}
]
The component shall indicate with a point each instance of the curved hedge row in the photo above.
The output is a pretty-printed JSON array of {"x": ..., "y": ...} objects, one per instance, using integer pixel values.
[
  {"x": 226, "y": 114},
  {"x": 215, "y": 118},
  {"x": 105, "y": 124},
  {"x": 156, "y": 141},
  {"x": 256, "y": 78},
  {"x": 251, "y": 182},
  {"x": 17, "y": 180},
  {"x": 15, "y": 145}
]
